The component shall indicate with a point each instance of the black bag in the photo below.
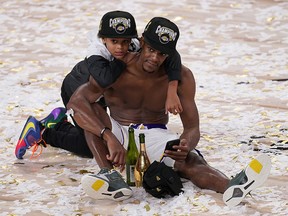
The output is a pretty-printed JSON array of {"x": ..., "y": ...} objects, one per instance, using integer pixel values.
[{"x": 160, "y": 180}]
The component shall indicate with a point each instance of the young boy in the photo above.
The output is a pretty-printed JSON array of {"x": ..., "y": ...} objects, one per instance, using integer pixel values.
[{"x": 117, "y": 33}]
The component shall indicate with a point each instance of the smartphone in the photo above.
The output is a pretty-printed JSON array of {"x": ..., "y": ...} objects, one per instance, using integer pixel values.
[{"x": 171, "y": 143}]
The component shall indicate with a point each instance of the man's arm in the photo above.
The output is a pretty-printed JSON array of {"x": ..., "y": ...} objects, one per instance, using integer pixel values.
[
  {"x": 190, "y": 115},
  {"x": 96, "y": 121},
  {"x": 81, "y": 103}
]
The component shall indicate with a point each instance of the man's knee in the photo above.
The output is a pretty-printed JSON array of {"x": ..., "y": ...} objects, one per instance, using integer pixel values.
[
  {"x": 191, "y": 166},
  {"x": 195, "y": 159}
]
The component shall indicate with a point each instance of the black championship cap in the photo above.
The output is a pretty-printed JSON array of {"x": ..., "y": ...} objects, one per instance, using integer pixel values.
[
  {"x": 162, "y": 35},
  {"x": 117, "y": 24}
]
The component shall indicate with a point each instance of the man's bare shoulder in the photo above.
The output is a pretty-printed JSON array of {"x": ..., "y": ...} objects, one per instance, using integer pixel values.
[
  {"x": 130, "y": 57},
  {"x": 187, "y": 73}
]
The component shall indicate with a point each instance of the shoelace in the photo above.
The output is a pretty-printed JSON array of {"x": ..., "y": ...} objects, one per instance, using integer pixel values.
[{"x": 35, "y": 147}]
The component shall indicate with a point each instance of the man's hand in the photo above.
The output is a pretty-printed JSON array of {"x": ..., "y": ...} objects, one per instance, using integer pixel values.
[
  {"x": 117, "y": 153},
  {"x": 181, "y": 152}
]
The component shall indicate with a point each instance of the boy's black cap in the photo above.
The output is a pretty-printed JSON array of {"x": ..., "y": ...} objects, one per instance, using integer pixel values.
[
  {"x": 161, "y": 34},
  {"x": 117, "y": 24}
]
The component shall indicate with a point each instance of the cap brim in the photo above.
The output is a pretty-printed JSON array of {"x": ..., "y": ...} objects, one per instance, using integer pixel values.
[
  {"x": 118, "y": 36},
  {"x": 159, "y": 47}
]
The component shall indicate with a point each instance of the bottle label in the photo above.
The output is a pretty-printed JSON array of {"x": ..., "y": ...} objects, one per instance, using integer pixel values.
[{"x": 131, "y": 172}]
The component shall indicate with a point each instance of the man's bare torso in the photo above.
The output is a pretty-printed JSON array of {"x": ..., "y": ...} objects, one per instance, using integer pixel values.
[{"x": 138, "y": 96}]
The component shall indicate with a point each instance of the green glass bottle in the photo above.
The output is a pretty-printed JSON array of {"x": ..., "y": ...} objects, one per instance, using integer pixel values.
[
  {"x": 131, "y": 158},
  {"x": 143, "y": 162}
]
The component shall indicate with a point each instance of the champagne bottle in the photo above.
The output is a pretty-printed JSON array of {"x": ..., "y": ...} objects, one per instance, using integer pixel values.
[
  {"x": 143, "y": 162},
  {"x": 131, "y": 158}
]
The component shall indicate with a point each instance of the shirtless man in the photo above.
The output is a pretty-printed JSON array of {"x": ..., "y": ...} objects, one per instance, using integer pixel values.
[{"x": 138, "y": 97}]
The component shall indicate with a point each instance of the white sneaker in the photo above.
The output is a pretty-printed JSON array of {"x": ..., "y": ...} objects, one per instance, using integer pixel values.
[
  {"x": 253, "y": 176},
  {"x": 107, "y": 184}
]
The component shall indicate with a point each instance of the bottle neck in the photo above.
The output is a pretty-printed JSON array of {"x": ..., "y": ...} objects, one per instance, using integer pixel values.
[
  {"x": 142, "y": 147},
  {"x": 131, "y": 137},
  {"x": 131, "y": 141}
]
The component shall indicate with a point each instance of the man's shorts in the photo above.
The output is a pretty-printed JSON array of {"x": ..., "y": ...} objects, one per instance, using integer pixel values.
[{"x": 156, "y": 137}]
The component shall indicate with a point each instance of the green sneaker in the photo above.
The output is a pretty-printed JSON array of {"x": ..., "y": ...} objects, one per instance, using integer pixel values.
[
  {"x": 107, "y": 184},
  {"x": 253, "y": 176}
]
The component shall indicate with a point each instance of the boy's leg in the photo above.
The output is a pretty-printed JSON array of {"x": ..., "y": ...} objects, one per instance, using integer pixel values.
[
  {"x": 31, "y": 135},
  {"x": 68, "y": 137}
]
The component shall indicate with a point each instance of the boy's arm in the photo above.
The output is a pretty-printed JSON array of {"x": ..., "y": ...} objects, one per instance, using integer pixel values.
[
  {"x": 173, "y": 67},
  {"x": 173, "y": 104},
  {"x": 103, "y": 71}
]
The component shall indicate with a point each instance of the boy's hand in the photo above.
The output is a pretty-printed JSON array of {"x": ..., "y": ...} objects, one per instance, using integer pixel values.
[{"x": 173, "y": 104}]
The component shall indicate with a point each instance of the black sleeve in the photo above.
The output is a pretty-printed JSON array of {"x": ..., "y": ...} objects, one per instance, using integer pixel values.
[
  {"x": 103, "y": 71},
  {"x": 173, "y": 66}
]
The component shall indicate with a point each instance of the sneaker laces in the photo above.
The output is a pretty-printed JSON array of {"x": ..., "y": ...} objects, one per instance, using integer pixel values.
[{"x": 35, "y": 147}]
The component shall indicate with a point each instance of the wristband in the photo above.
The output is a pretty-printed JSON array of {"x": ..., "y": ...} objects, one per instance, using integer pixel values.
[{"x": 102, "y": 132}]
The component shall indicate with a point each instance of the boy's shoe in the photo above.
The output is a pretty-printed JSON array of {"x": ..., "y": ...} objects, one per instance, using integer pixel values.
[
  {"x": 54, "y": 117},
  {"x": 253, "y": 176},
  {"x": 107, "y": 184},
  {"x": 30, "y": 135}
]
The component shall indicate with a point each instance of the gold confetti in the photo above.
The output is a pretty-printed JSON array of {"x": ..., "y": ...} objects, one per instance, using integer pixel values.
[
  {"x": 44, "y": 19},
  {"x": 263, "y": 113},
  {"x": 247, "y": 58},
  {"x": 38, "y": 112},
  {"x": 235, "y": 5},
  {"x": 19, "y": 69},
  {"x": 60, "y": 172},
  {"x": 209, "y": 148},
  {"x": 10, "y": 107},
  {"x": 270, "y": 19},
  {"x": 14, "y": 181},
  {"x": 4, "y": 167},
  {"x": 33, "y": 80},
  {"x": 208, "y": 138},
  {"x": 195, "y": 204},
  {"x": 84, "y": 171},
  {"x": 147, "y": 207},
  {"x": 123, "y": 209},
  {"x": 61, "y": 183}
]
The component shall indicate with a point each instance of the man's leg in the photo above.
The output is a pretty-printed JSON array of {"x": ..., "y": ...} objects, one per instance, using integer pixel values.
[
  {"x": 108, "y": 183},
  {"x": 196, "y": 169},
  {"x": 200, "y": 173},
  {"x": 98, "y": 149},
  {"x": 96, "y": 144}
]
